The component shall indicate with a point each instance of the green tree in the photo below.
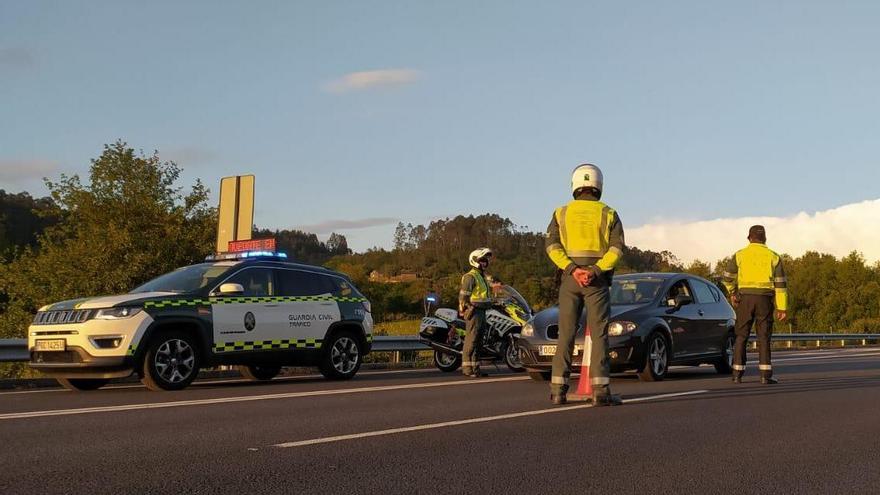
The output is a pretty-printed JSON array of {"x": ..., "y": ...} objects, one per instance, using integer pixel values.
[{"x": 130, "y": 223}]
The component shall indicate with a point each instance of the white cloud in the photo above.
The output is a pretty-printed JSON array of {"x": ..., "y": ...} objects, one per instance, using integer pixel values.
[
  {"x": 357, "y": 81},
  {"x": 23, "y": 172},
  {"x": 329, "y": 226},
  {"x": 837, "y": 231}
]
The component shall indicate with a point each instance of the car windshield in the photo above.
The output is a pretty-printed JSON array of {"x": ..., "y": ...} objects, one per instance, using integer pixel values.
[
  {"x": 634, "y": 290},
  {"x": 186, "y": 279}
]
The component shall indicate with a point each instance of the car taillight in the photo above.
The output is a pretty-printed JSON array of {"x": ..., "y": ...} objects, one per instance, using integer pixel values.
[{"x": 367, "y": 306}]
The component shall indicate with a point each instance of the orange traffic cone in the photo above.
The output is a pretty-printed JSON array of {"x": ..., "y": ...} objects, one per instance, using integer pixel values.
[{"x": 585, "y": 387}]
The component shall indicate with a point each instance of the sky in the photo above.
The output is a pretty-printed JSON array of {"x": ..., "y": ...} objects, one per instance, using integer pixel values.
[{"x": 357, "y": 115}]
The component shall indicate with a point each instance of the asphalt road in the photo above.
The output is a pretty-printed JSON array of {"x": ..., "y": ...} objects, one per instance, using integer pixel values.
[{"x": 430, "y": 432}]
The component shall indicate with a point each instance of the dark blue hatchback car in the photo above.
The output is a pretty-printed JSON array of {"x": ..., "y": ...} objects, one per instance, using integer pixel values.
[{"x": 657, "y": 320}]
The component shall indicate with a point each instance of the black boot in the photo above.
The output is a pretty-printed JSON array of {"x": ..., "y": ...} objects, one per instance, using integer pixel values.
[
  {"x": 558, "y": 399},
  {"x": 737, "y": 377},
  {"x": 769, "y": 380},
  {"x": 601, "y": 400}
]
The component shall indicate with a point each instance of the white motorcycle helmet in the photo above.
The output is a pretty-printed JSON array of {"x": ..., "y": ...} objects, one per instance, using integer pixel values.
[
  {"x": 478, "y": 254},
  {"x": 586, "y": 175}
]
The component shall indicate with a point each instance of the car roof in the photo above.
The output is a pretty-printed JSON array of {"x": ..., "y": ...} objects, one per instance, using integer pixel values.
[{"x": 660, "y": 275}]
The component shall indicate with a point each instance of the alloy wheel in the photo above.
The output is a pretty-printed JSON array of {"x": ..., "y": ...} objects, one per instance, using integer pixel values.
[
  {"x": 344, "y": 355},
  {"x": 174, "y": 360},
  {"x": 658, "y": 356}
]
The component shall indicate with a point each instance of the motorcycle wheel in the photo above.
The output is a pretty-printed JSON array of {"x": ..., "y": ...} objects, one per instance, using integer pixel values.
[
  {"x": 511, "y": 357},
  {"x": 446, "y": 362}
]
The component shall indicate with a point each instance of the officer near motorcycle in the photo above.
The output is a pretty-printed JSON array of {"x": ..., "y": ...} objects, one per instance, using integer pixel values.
[
  {"x": 585, "y": 240},
  {"x": 756, "y": 283},
  {"x": 474, "y": 298}
]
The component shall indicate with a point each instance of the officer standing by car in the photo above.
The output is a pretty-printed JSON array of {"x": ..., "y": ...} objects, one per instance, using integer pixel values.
[
  {"x": 474, "y": 298},
  {"x": 754, "y": 277},
  {"x": 585, "y": 240}
]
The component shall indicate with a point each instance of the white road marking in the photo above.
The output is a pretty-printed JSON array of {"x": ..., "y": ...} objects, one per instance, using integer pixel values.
[
  {"x": 199, "y": 383},
  {"x": 447, "y": 424},
  {"x": 250, "y": 398},
  {"x": 814, "y": 358}
]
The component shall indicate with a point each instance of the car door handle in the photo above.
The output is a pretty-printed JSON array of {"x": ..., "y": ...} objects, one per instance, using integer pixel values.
[
  {"x": 270, "y": 305},
  {"x": 700, "y": 312}
]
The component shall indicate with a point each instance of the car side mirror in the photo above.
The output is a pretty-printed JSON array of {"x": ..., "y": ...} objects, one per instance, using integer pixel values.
[
  {"x": 682, "y": 300},
  {"x": 676, "y": 303},
  {"x": 231, "y": 290}
]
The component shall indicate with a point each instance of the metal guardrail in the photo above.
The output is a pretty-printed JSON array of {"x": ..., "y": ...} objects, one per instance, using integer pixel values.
[
  {"x": 13, "y": 350},
  {"x": 16, "y": 349},
  {"x": 809, "y": 337},
  {"x": 397, "y": 343}
]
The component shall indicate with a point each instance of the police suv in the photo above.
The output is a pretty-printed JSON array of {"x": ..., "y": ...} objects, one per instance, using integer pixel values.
[{"x": 252, "y": 309}]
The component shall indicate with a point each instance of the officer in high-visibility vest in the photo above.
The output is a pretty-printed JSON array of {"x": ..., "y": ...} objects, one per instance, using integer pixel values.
[
  {"x": 754, "y": 278},
  {"x": 474, "y": 298},
  {"x": 585, "y": 240}
]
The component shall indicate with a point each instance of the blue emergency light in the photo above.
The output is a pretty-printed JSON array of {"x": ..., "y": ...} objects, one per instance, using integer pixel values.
[{"x": 247, "y": 255}]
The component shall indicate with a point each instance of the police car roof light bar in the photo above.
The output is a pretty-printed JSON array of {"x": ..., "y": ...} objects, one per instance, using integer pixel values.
[{"x": 247, "y": 255}]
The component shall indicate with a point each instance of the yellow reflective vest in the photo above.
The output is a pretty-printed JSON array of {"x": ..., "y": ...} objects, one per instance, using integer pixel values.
[
  {"x": 756, "y": 269},
  {"x": 580, "y": 234},
  {"x": 474, "y": 289}
]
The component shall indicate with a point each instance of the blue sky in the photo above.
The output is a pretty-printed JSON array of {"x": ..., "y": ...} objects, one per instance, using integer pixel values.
[{"x": 694, "y": 110}]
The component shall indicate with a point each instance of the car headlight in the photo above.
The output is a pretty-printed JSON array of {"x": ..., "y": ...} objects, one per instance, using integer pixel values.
[
  {"x": 621, "y": 327},
  {"x": 528, "y": 330},
  {"x": 116, "y": 313}
]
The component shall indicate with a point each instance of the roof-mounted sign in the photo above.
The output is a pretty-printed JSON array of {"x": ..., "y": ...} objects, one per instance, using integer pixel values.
[{"x": 236, "y": 212}]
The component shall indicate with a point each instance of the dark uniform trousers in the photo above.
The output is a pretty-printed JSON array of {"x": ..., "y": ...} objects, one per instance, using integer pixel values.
[
  {"x": 572, "y": 300},
  {"x": 757, "y": 310},
  {"x": 470, "y": 362}
]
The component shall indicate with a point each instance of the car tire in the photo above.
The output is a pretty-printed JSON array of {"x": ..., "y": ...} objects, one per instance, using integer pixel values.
[
  {"x": 171, "y": 361},
  {"x": 724, "y": 364},
  {"x": 511, "y": 357},
  {"x": 656, "y": 359},
  {"x": 342, "y": 356},
  {"x": 539, "y": 376},
  {"x": 447, "y": 362},
  {"x": 83, "y": 384},
  {"x": 259, "y": 373}
]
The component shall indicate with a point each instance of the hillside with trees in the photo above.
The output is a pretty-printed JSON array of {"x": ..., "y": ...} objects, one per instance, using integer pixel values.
[{"x": 132, "y": 220}]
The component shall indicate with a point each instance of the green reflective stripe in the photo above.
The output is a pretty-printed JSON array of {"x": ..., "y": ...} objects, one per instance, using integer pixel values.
[
  {"x": 264, "y": 345},
  {"x": 369, "y": 338},
  {"x": 131, "y": 350},
  {"x": 176, "y": 303}
]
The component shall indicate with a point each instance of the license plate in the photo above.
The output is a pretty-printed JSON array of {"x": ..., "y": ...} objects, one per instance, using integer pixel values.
[
  {"x": 547, "y": 350},
  {"x": 51, "y": 345}
]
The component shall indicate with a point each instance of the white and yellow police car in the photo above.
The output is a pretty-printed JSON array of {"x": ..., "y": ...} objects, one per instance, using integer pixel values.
[{"x": 256, "y": 310}]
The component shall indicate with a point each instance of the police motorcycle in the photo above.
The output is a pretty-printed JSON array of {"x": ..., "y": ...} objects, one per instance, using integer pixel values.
[{"x": 445, "y": 331}]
